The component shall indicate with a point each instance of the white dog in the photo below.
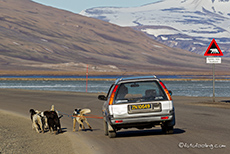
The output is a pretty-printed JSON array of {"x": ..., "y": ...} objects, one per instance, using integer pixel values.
[
  {"x": 52, "y": 109},
  {"x": 79, "y": 116},
  {"x": 37, "y": 122}
]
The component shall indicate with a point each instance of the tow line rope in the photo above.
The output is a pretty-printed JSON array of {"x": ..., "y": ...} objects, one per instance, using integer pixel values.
[
  {"x": 90, "y": 116},
  {"x": 87, "y": 115}
]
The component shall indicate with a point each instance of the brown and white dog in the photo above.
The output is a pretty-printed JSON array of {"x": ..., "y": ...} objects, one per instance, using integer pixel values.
[
  {"x": 37, "y": 121},
  {"x": 79, "y": 116}
]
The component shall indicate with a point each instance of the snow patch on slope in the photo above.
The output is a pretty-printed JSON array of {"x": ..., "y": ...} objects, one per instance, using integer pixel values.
[{"x": 200, "y": 19}]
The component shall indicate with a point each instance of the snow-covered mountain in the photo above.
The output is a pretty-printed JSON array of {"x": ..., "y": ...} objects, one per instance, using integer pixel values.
[{"x": 186, "y": 24}]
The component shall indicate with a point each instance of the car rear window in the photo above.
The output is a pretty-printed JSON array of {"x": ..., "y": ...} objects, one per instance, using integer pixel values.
[{"x": 143, "y": 91}]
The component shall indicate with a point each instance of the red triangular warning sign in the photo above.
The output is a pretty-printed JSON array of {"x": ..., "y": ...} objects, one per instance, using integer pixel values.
[{"x": 213, "y": 49}]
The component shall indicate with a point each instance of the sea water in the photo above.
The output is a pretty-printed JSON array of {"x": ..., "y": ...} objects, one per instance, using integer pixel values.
[{"x": 178, "y": 88}]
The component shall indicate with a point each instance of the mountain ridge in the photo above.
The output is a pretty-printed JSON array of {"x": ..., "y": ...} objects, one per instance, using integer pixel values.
[
  {"x": 195, "y": 22},
  {"x": 44, "y": 39}
]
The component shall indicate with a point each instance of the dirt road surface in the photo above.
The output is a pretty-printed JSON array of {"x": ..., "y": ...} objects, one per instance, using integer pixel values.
[{"x": 201, "y": 126}]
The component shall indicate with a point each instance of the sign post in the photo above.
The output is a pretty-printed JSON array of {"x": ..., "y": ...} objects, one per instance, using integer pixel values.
[
  {"x": 87, "y": 74},
  {"x": 213, "y": 82},
  {"x": 212, "y": 52}
]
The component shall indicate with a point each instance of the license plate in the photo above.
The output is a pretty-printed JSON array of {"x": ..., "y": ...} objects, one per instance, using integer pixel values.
[{"x": 141, "y": 107}]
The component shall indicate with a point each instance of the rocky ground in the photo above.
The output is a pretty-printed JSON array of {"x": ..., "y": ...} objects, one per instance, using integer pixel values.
[{"x": 17, "y": 137}]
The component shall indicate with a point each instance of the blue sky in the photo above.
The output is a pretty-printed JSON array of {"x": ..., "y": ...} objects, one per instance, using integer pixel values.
[{"x": 77, "y": 6}]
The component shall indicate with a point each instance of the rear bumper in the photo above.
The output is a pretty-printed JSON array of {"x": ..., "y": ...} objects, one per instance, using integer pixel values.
[{"x": 149, "y": 121}]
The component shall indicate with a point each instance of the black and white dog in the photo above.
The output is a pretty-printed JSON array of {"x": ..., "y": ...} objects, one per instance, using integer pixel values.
[
  {"x": 79, "y": 116},
  {"x": 37, "y": 121}
]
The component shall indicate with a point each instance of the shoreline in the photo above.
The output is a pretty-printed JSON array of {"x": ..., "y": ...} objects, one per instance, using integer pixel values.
[
  {"x": 102, "y": 79},
  {"x": 109, "y": 76}
]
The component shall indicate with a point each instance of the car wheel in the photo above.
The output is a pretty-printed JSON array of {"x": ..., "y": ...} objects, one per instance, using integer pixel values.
[
  {"x": 112, "y": 134},
  {"x": 105, "y": 128},
  {"x": 167, "y": 129}
]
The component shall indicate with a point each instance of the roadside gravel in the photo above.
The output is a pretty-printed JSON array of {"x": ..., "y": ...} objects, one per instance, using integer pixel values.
[{"x": 17, "y": 137}]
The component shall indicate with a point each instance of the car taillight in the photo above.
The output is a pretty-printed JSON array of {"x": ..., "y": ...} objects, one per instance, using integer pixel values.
[
  {"x": 118, "y": 121},
  {"x": 166, "y": 90},
  {"x": 112, "y": 95},
  {"x": 164, "y": 118}
]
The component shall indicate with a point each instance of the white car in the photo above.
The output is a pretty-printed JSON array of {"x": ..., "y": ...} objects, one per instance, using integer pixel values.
[{"x": 140, "y": 102}]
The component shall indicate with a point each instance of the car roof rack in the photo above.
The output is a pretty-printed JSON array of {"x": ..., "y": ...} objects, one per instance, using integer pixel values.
[{"x": 134, "y": 77}]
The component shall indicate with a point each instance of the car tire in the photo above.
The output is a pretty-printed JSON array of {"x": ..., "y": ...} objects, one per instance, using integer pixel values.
[
  {"x": 112, "y": 134},
  {"x": 106, "y": 132},
  {"x": 167, "y": 129}
]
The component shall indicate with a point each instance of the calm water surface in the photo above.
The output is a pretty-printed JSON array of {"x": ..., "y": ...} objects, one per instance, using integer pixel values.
[{"x": 179, "y": 88}]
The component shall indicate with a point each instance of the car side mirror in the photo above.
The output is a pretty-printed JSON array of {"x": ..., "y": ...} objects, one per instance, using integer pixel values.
[
  {"x": 170, "y": 92},
  {"x": 102, "y": 97}
]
